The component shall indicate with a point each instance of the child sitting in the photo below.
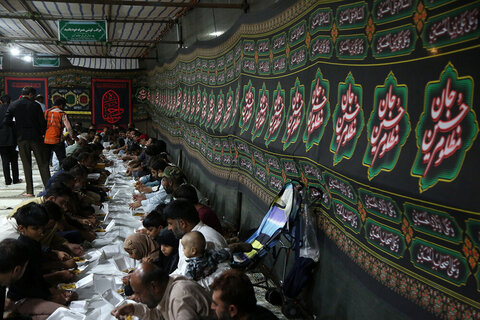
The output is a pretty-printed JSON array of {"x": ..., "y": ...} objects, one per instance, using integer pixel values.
[
  {"x": 155, "y": 226},
  {"x": 169, "y": 247},
  {"x": 205, "y": 265},
  {"x": 155, "y": 222},
  {"x": 201, "y": 262},
  {"x": 32, "y": 293},
  {"x": 61, "y": 196}
]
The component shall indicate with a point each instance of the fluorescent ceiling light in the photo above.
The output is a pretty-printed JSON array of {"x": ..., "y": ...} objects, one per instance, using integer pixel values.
[
  {"x": 27, "y": 58},
  {"x": 216, "y": 33},
  {"x": 14, "y": 51}
]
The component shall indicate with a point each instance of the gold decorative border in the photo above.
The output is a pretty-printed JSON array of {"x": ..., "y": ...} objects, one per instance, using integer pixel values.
[
  {"x": 444, "y": 305},
  {"x": 434, "y": 298},
  {"x": 219, "y": 171},
  {"x": 292, "y": 14},
  {"x": 91, "y": 73}
]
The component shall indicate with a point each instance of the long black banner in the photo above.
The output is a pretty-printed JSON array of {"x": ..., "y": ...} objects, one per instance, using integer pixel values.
[
  {"x": 14, "y": 86},
  {"x": 112, "y": 102},
  {"x": 372, "y": 102}
]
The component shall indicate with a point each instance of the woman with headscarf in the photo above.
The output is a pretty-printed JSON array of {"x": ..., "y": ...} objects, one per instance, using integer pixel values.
[{"x": 141, "y": 247}]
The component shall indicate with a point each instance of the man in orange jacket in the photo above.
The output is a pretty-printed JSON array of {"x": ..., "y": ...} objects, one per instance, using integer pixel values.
[{"x": 57, "y": 120}]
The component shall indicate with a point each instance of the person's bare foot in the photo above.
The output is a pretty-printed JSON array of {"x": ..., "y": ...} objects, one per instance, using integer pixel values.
[{"x": 28, "y": 195}]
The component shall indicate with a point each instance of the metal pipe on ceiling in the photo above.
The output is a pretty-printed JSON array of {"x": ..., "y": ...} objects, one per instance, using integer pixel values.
[
  {"x": 147, "y": 43},
  {"x": 155, "y": 4},
  {"x": 100, "y": 57},
  {"x": 52, "y": 18}
]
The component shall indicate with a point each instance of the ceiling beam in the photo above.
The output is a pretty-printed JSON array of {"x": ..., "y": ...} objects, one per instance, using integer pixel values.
[
  {"x": 109, "y": 57},
  {"x": 85, "y": 44},
  {"x": 51, "y": 18},
  {"x": 54, "y": 41},
  {"x": 169, "y": 26},
  {"x": 42, "y": 24},
  {"x": 155, "y": 4}
]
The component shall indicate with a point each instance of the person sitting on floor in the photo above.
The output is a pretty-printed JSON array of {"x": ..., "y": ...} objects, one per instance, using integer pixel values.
[
  {"x": 80, "y": 210},
  {"x": 233, "y": 297},
  {"x": 133, "y": 149},
  {"x": 141, "y": 247},
  {"x": 155, "y": 222},
  {"x": 80, "y": 142},
  {"x": 34, "y": 296},
  {"x": 148, "y": 182},
  {"x": 55, "y": 258},
  {"x": 58, "y": 259},
  {"x": 155, "y": 225},
  {"x": 206, "y": 214},
  {"x": 67, "y": 164},
  {"x": 164, "y": 297},
  {"x": 61, "y": 196},
  {"x": 204, "y": 265},
  {"x": 183, "y": 218},
  {"x": 13, "y": 262},
  {"x": 172, "y": 178},
  {"x": 139, "y": 167},
  {"x": 201, "y": 262},
  {"x": 64, "y": 178},
  {"x": 169, "y": 247}
]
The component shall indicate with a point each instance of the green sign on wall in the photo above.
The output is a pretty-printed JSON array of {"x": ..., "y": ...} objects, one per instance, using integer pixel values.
[
  {"x": 46, "y": 61},
  {"x": 74, "y": 30}
]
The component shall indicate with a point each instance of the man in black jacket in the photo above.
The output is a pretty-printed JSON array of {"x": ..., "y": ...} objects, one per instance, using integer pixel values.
[
  {"x": 30, "y": 127},
  {"x": 8, "y": 142}
]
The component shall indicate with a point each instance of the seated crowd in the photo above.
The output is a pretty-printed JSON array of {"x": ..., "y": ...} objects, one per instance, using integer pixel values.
[{"x": 184, "y": 260}]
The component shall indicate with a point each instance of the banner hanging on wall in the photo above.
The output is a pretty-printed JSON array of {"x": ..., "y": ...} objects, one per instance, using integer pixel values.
[
  {"x": 112, "y": 102},
  {"x": 14, "y": 86},
  {"x": 375, "y": 105},
  {"x": 78, "y": 99}
]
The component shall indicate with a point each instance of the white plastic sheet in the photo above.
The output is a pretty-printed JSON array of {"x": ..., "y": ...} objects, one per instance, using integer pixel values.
[{"x": 105, "y": 264}]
